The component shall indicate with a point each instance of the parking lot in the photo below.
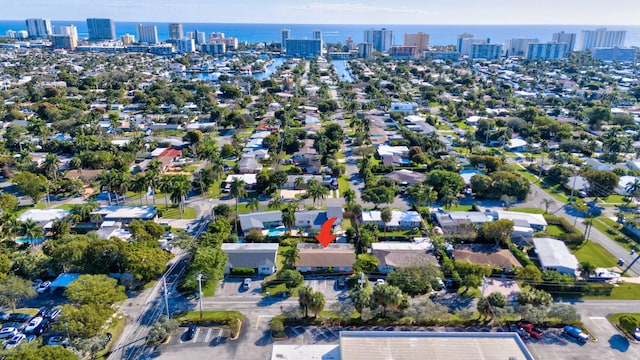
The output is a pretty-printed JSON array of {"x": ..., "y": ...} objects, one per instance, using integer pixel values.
[
  {"x": 233, "y": 287},
  {"x": 203, "y": 336},
  {"x": 327, "y": 286}
]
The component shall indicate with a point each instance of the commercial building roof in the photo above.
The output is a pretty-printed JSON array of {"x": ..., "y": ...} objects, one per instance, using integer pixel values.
[
  {"x": 553, "y": 253},
  {"x": 304, "y": 352},
  {"x": 378, "y": 345}
]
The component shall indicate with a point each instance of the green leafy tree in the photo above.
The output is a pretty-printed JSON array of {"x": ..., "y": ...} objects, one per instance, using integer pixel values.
[
  {"x": 31, "y": 185},
  {"x": 290, "y": 278},
  {"x": 414, "y": 280},
  {"x": 365, "y": 263},
  {"x": 378, "y": 194},
  {"x": 361, "y": 299},
  {"x": 317, "y": 303},
  {"x": 13, "y": 290},
  {"x": 535, "y": 297},
  {"x": 498, "y": 231},
  {"x": 99, "y": 290},
  {"x": 387, "y": 296},
  {"x": 565, "y": 313},
  {"x": 601, "y": 183},
  {"x": 237, "y": 191}
]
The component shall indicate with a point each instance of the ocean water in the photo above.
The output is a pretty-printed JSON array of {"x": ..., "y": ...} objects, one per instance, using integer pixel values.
[{"x": 440, "y": 34}]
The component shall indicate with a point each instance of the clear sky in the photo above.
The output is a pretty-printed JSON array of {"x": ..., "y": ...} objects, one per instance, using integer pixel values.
[{"x": 499, "y": 12}]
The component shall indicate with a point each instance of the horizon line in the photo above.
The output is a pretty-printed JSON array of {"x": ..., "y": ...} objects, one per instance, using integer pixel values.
[{"x": 295, "y": 23}]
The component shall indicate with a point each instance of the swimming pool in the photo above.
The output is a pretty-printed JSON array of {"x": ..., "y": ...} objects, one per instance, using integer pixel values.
[
  {"x": 276, "y": 232},
  {"x": 29, "y": 241}
]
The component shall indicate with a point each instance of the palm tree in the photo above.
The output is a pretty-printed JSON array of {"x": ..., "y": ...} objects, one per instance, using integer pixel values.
[
  {"x": 289, "y": 217},
  {"x": 316, "y": 303},
  {"x": 449, "y": 199},
  {"x": 546, "y": 203},
  {"x": 298, "y": 183},
  {"x": 179, "y": 191},
  {"x": 633, "y": 188},
  {"x": 385, "y": 216},
  {"x": 586, "y": 269},
  {"x": 31, "y": 230},
  {"x": 317, "y": 191},
  {"x": 276, "y": 203},
  {"x": 140, "y": 184},
  {"x": 349, "y": 195},
  {"x": 165, "y": 184},
  {"x": 304, "y": 298},
  {"x": 153, "y": 174},
  {"x": 253, "y": 204},
  {"x": 121, "y": 185},
  {"x": 217, "y": 166},
  {"x": 237, "y": 191},
  {"x": 106, "y": 180},
  {"x": 290, "y": 255},
  {"x": 51, "y": 165}
]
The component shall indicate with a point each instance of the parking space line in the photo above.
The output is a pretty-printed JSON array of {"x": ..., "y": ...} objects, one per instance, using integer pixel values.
[
  {"x": 332, "y": 332},
  {"x": 206, "y": 338},
  {"x": 262, "y": 316},
  {"x": 195, "y": 336}
]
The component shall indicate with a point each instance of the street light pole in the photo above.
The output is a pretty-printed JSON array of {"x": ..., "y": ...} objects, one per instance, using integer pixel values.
[
  {"x": 166, "y": 295},
  {"x": 200, "y": 292}
]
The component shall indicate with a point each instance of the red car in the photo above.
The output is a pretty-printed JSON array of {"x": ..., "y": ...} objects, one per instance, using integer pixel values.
[{"x": 531, "y": 330}]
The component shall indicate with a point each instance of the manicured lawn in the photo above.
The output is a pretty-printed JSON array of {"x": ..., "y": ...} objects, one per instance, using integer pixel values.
[
  {"x": 615, "y": 319},
  {"x": 343, "y": 184},
  {"x": 65, "y": 207},
  {"x": 347, "y": 223},
  {"x": 174, "y": 213},
  {"x": 209, "y": 289},
  {"x": 115, "y": 327},
  {"x": 622, "y": 291},
  {"x": 554, "y": 231},
  {"x": 528, "y": 210},
  {"x": 460, "y": 208},
  {"x": 220, "y": 316},
  {"x": 595, "y": 254},
  {"x": 615, "y": 199},
  {"x": 613, "y": 234}
]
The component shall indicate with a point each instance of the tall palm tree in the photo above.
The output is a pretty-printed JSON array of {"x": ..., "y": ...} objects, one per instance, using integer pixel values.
[
  {"x": 51, "y": 165},
  {"x": 217, "y": 166},
  {"x": 237, "y": 191},
  {"x": 153, "y": 173},
  {"x": 385, "y": 216},
  {"x": 165, "y": 184},
  {"x": 121, "y": 185},
  {"x": 139, "y": 184},
  {"x": 106, "y": 180},
  {"x": 304, "y": 297},
  {"x": 317, "y": 191},
  {"x": 633, "y": 188},
  {"x": 276, "y": 203},
  {"x": 289, "y": 217},
  {"x": 179, "y": 191}
]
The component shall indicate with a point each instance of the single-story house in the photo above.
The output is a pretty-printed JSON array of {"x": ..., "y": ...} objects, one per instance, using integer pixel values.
[
  {"x": 407, "y": 176},
  {"x": 125, "y": 214},
  {"x": 109, "y": 229},
  {"x": 291, "y": 181},
  {"x": 248, "y": 179},
  {"x": 44, "y": 218},
  {"x": 404, "y": 106},
  {"x": 486, "y": 255},
  {"x": 554, "y": 255},
  {"x": 392, "y": 150},
  {"x": 623, "y": 182},
  {"x": 577, "y": 183},
  {"x": 393, "y": 254},
  {"x": 473, "y": 120},
  {"x": 516, "y": 145},
  {"x": 534, "y": 221},
  {"x": 249, "y": 165},
  {"x": 262, "y": 257},
  {"x": 597, "y": 164},
  {"x": 315, "y": 218},
  {"x": 86, "y": 175},
  {"x": 314, "y": 257},
  {"x": 466, "y": 175},
  {"x": 451, "y": 221},
  {"x": 260, "y": 220},
  {"x": 400, "y": 219}
]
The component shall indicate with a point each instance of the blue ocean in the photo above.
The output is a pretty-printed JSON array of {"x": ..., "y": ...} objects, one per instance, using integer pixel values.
[{"x": 440, "y": 34}]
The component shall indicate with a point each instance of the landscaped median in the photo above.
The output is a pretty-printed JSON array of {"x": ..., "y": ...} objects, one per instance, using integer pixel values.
[
  {"x": 627, "y": 323},
  {"x": 230, "y": 319}
]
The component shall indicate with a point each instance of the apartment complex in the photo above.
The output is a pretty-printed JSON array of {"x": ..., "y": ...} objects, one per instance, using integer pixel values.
[
  {"x": 148, "y": 34},
  {"x": 303, "y": 48},
  {"x": 101, "y": 29},
  {"x": 381, "y": 39},
  {"x": 419, "y": 40},
  {"x": 565, "y": 38},
  {"x": 601, "y": 38},
  {"x": 38, "y": 28},
  {"x": 175, "y": 31},
  {"x": 486, "y": 51},
  {"x": 547, "y": 51}
]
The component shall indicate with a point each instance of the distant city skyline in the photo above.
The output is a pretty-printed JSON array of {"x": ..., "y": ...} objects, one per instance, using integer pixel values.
[{"x": 472, "y": 12}]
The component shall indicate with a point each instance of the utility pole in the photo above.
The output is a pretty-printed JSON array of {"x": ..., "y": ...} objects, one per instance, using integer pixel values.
[
  {"x": 166, "y": 295},
  {"x": 200, "y": 292}
]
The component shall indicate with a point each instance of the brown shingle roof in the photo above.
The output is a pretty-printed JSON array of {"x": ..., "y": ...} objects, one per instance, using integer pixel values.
[{"x": 487, "y": 256}]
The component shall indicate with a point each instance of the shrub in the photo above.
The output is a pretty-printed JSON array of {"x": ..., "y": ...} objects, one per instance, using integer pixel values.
[
  {"x": 628, "y": 324},
  {"x": 243, "y": 271},
  {"x": 519, "y": 255},
  {"x": 277, "y": 328}
]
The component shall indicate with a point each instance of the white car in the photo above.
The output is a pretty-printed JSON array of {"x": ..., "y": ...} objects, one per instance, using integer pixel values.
[
  {"x": 380, "y": 282},
  {"x": 636, "y": 334},
  {"x": 58, "y": 340},
  {"x": 33, "y": 325},
  {"x": 43, "y": 287},
  {"x": 15, "y": 341},
  {"x": 8, "y": 332}
]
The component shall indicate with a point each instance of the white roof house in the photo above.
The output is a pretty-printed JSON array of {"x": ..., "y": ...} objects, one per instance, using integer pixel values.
[
  {"x": 392, "y": 150},
  {"x": 43, "y": 216},
  {"x": 534, "y": 221},
  {"x": 623, "y": 182},
  {"x": 554, "y": 255},
  {"x": 249, "y": 179},
  {"x": 516, "y": 145},
  {"x": 399, "y": 219}
]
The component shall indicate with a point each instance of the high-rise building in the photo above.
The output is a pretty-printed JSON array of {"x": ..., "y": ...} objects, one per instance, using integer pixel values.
[
  {"x": 519, "y": 47},
  {"x": 148, "y": 34},
  {"x": 38, "y": 28},
  {"x": 285, "y": 35},
  {"x": 403, "y": 52},
  {"x": 128, "y": 39},
  {"x": 626, "y": 55},
  {"x": 175, "y": 31},
  {"x": 486, "y": 51},
  {"x": 365, "y": 50},
  {"x": 381, "y": 39},
  {"x": 303, "y": 48},
  {"x": 461, "y": 37},
  {"x": 566, "y": 38},
  {"x": 200, "y": 37},
  {"x": 317, "y": 35},
  {"x": 216, "y": 36},
  {"x": 185, "y": 45},
  {"x": 601, "y": 38},
  {"x": 465, "y": 44},
  {"x": 101, "y": 29},
  {"x": 349, "y": 43},
  {"x": 419, "y": 40},
  {"x": 547, "y": 51},
  {"x": 64, "y": 42}
]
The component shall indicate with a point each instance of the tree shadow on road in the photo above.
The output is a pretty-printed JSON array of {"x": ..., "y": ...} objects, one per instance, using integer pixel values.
[
  {"x": 619, "y": 342},
  {"x": 265, "y": 339}
]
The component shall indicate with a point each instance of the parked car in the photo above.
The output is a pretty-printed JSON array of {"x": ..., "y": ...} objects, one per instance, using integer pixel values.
[
  {"x": 531, "y": 330},
  {"x": 43, "y": 287},
  {"x": 191, "y": 331},
  {"x": 576, "y": 333},
  {"x": 439, "y": 284},
  {"x": 4, "y": 316},
  {"x": 636, "y": 334},
  {"x": 34, "y": 325},
  {"x": 380, "y": 282},
  {"x": 341, "y": 283},
  {"x": 8, "y": 332},
  {"x": 58, "y": 340},
  {"x": 53, "y": 314},
  {"x": 43, "y": 311},
  {"x": 14, "y": 341},
  {"x": 246, "y": 283},
  {"x": 19, "y": 317},
  {"x": 620, "y": 262},
  {"x": 520, "y": 331},
  {"x": 36, "y": 283}
]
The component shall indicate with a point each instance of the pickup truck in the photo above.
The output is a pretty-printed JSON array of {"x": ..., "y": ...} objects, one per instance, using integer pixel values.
[{"x": 576, "y": 333}]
